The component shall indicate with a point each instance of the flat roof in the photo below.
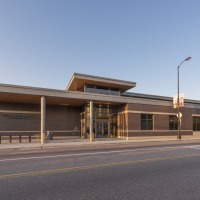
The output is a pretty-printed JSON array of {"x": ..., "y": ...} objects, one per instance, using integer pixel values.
[
  {"x": 78, "y": 80},
  {"x": 32, "y": 95}
]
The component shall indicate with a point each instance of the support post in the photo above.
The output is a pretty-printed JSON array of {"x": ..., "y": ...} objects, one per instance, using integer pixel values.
[
  {"x": 43, "y": 114},
  {"x": 179, "y": 117},
  {"x": 179, "y": 125},
  {"x": 91, "y": 121},
  {"x": 127, "y": 126},
  {"x": 10, "y": 139}
]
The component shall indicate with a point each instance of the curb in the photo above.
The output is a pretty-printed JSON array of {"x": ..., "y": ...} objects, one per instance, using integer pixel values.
[{"x": 55, "y": 144}]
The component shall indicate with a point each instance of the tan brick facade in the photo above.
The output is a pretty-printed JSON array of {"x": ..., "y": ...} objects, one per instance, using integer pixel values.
[
  {"x": 62, "y": 120},
  {"x": 30, "y": 109},
  {"x": 160, "y": 120}
]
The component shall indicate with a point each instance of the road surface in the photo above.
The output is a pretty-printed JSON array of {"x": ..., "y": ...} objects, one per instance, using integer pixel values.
[{"x": 170, "y": 171}]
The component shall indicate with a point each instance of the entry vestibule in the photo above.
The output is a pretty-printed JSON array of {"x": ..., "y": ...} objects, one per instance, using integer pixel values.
[
  {"x": 104, "y": 121},
  {"x": 102, "y": 128}
]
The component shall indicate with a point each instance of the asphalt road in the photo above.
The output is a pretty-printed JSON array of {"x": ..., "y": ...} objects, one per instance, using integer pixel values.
[{"x": 170, "y": 171}]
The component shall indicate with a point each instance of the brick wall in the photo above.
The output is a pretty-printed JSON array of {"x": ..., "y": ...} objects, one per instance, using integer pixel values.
[
  {"x": 160, "y": 120},
  {"x": 19, "y": 117},
  {"x": 62, "y": 120}
]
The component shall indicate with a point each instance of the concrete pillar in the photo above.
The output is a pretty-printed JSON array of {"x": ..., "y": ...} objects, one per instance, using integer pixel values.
[
  {"x": 43, "y": 114},
  {"x": 127, "y": 126},
  {"x": 91, "y": 121},
  {"x": 123, "y": 125},
  {"x": 120, "y": 125}
]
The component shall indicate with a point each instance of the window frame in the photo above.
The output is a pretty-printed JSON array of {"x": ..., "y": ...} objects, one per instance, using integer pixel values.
[
  {"x": 147, "y": 121},
  {"x": 173, "y": 122},
  {"x": 196, "y": 123}
]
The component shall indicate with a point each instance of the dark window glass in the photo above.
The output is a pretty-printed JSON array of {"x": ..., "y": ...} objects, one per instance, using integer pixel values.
[
  {"x": 146, "y": 122},
  {"x": 173, "y": 122},
  {"x": 196, "y": 123}
]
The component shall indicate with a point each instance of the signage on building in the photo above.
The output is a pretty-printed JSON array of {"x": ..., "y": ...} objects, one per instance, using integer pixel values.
[
  {"x": 180, "y": 115},
  {"x": 181, "y": 101}
]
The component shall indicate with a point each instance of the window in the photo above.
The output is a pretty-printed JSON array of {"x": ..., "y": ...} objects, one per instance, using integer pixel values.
[
  {"x": 100, "y": 110},
  {"x": 102, "y": 90},
  {"x": 196, "y": 123},
  {"x": 173, "y": 122},
  {"x": 146, "y": 122}
]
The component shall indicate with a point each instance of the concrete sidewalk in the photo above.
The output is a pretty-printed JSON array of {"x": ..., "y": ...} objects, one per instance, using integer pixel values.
[{"x": 97, "y": 141}]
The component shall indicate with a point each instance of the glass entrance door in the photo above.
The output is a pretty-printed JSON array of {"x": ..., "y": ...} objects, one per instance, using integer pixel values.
[{"x": 102, "y": 128}]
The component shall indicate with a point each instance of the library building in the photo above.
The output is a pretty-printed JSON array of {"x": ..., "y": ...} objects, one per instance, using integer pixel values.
[{"x": 95, "y": 107}]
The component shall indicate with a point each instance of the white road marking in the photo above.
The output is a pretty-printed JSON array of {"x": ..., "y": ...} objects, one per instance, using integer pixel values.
[
  {"x": 194, "y": 147},
  {"x": 92, "y": 153}
]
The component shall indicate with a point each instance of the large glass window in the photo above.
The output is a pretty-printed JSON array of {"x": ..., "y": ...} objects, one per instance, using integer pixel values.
[
  {"x": 102, "y": 90},
  {"x": 102, "y": 111},
  {"x": 146, "y": 122},
  {"x": 173, "y": 122},
  {"x": 196, "y": 123}
]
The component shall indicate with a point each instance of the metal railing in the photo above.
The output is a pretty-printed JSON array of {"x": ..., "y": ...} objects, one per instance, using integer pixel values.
[
  {"x": 9, "y": 136},
  {"x": 18, "y": 135}
]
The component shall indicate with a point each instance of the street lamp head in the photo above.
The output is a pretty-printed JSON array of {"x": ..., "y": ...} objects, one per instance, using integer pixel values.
[{"x": 188, "y": 58}]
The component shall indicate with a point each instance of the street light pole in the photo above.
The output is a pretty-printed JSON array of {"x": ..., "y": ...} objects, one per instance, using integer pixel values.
[{"x": 179, "y": 120}]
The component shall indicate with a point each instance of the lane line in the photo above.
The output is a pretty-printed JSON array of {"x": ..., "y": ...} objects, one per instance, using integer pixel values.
[
  {"x": 91, "y": 153},
  {"x": 194, "y": 147},
  {"x": 44, "y": 172}
]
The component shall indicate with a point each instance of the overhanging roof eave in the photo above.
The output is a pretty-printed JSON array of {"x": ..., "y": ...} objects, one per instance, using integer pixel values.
[{"x": 78, "y": 80}]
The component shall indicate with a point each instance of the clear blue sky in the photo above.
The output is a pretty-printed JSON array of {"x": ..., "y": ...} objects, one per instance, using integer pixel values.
[{"x": 43, "y": 42}]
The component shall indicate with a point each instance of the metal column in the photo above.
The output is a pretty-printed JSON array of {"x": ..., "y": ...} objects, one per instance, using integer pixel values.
[
  {"x": 43, "y": 114},
  {"x": 91, "y": 121}
]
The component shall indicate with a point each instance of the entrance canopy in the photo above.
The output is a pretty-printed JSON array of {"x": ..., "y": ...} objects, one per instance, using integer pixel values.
[{"x": 32, "y": 95}]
